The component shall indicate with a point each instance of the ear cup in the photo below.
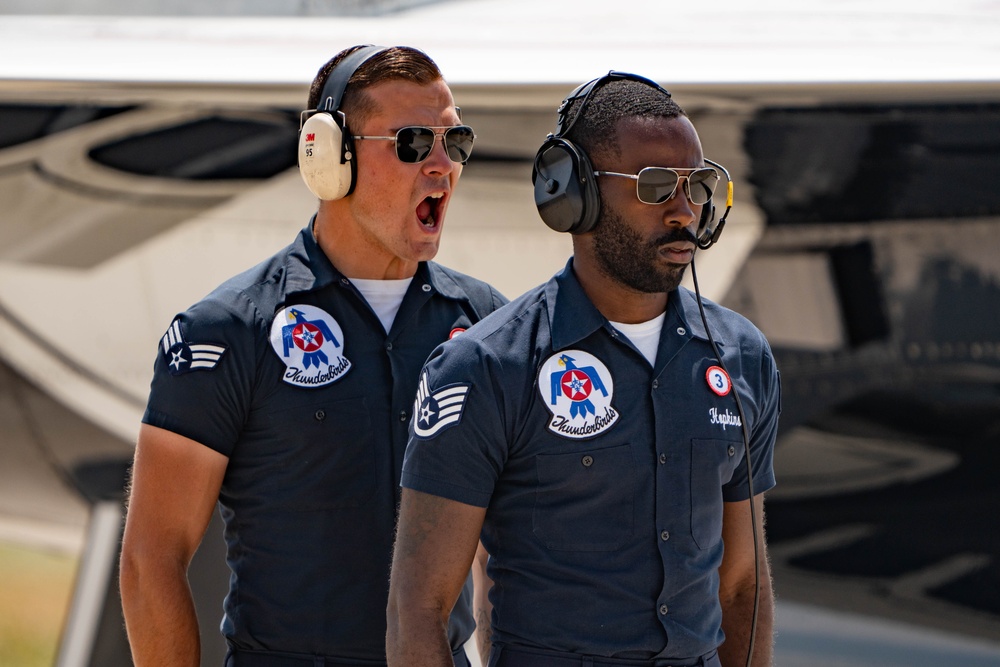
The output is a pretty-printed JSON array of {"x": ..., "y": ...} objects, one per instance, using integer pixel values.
[
  {"x": 321, "y": 145},
  {"x": 326, "y": 150},
  {"x": 566, "y": 193}
]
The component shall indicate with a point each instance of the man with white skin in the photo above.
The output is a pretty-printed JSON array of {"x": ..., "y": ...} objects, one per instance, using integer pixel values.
[
  {"x": 284, "y": 395},
  {"x": 592, "y": 438}
]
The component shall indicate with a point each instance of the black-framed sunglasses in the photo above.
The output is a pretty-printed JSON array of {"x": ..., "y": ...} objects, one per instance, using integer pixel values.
[
  {"x": 655, "y": 185},
  {"x": 414, "y": 143}
]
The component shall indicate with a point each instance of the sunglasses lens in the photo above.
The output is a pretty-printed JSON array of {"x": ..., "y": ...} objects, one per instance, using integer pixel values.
[
  {"x": 458, "y": 140},
  {"x": 701, "y": 184},
  {"x": 656, "y": 185},
  {"x": 414, "y": 144}
]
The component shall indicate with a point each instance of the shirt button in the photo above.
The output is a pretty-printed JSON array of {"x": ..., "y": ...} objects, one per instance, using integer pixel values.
[
  {"x": 663, "y": 610},
  {"x": 345, "y": 281},
  {"x": 663, "y": 458},
  {"x": 426, "y": 288},
  {"x": 664, "y": 535},
  {"x": 320, "y": 415},
  {"x": 588, "y": 461},
  {"x": 681, "y": 331},
  {"x": 732, "y": 450},
  {"x": 402, "y": 416}
]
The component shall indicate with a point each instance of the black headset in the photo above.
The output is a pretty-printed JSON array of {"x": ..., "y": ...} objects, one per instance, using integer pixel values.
[
  {"x": 326, "y": 150},
  {"x": 566, "y": 192}
]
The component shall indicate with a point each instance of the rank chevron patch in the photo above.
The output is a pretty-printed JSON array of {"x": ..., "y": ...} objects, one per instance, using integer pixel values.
[
  {"x": 183, "y": 357},
  {"x": 435, "y": 411}
]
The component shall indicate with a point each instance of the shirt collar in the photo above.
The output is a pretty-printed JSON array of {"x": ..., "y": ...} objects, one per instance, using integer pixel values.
[
  {"x": 573, "y": 316},
  {"x": 683, "y": 304},
  {"x": 441, "y": 281},
  {"x": 307, "y": 268}
]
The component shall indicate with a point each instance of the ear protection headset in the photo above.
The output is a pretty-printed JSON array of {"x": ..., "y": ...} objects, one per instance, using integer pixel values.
[
  {"x": 566, "y": 192},
  {"x": 326, "y": 151}
]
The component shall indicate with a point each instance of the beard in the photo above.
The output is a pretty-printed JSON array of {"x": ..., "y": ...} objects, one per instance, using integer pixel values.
[{"x": 625, "y": 257}]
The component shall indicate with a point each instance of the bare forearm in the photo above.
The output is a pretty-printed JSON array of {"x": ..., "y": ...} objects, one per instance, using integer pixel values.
[
  {"x": 737, "y": 616},
  {"x": 435, "y": 546},
  {"x": 417, "y": 640},
  {"x": 160, "y": 618},
  {"x": 482, "y": 608}
]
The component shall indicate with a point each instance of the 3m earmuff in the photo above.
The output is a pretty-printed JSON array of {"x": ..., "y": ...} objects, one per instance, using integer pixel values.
[
  {"x": 566, "y": 192},
  {"x": 326, "y": 151}
]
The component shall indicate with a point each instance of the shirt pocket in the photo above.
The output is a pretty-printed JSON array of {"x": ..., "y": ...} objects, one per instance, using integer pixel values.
[
  {"x": 712, "y": 465},
  {"x": 585, "y": 501},
  {"x": 328, "y": 456}
]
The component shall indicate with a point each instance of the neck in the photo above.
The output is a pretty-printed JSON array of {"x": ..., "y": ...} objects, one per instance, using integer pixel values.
[
  {"x": 353, "y": 254},
  {"x": 615, "y": 301}
]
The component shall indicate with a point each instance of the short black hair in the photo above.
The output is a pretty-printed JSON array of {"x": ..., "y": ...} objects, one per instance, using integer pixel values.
[{"x": 596, "y": 130}]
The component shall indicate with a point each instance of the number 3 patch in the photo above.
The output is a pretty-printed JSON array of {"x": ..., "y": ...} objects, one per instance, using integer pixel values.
[{"x": 718, "y": 380}]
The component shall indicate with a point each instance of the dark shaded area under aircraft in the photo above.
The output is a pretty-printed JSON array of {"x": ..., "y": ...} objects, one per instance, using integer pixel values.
[
  {"x": 27, "y": 122},
  {"x": 876, "y": 162},
  {"x": 947, "y": 333},
  {"x": 918, "y": 524},
  {"x": 210, "y": 148}
]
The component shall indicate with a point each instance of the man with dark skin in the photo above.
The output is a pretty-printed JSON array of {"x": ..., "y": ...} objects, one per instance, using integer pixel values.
[
  {"x": 284, "y": 395},
  {"x": 593, "y": 437}
]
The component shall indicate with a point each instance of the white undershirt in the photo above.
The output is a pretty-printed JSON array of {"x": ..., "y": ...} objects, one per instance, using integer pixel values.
[
  {"x": 384, "y": 296},
  {"x": 644, "y": 335}
]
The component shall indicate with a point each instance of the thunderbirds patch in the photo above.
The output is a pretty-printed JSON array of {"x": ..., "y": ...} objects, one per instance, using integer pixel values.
[
  {"x": 183, "y": 357},
  {"x": 577, "y": 389},
  {"x": 311, "y": 344}
]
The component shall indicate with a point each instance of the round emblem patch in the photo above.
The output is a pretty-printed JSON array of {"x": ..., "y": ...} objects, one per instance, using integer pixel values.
[
  {"x": 311, "y": 344},
  {"x": 577, "y": 388},
  {"x": 718, "y": 380}
]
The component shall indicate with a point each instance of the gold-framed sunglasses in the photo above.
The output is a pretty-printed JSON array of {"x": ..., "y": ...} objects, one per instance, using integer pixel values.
[{"x": 655, "y": 185}]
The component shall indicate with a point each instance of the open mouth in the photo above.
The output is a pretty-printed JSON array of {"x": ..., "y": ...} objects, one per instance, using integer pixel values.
[{"x": 428, "y": 210}]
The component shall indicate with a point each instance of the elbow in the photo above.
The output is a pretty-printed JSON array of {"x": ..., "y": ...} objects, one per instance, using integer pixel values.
[{"x": 129, "y": 572}]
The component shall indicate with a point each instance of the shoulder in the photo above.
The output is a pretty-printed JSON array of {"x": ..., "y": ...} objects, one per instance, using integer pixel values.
[
  {"x": 484, "y": 297},
  {"x": 508, "y": 335},
  {"x": 240, "y": 302},
  {"x": 726, "y": 325}
]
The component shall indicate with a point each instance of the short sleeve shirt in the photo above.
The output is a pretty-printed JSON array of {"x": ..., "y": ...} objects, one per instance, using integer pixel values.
[
  {"x": 286, "y": 370},
  {"x": 604, "y": 477}
]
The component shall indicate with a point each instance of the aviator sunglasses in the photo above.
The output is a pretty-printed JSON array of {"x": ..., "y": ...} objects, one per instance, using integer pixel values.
[
  {"x": 415, "y": 143},
  {"x": 655, "y": 185}
]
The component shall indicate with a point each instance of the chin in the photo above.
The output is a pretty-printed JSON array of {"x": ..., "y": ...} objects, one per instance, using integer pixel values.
[{"x": 425, "y": 252}]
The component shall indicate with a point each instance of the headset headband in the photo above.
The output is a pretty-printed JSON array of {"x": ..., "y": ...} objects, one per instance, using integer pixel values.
[
  {"x": 336, "y": 83},
  {"x": 584, "y": 91}
]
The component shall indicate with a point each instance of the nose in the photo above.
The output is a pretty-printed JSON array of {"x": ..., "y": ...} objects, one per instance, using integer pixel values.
[
  {"x": 438, "y": 162},
  {"x": 678, "y": 210}
]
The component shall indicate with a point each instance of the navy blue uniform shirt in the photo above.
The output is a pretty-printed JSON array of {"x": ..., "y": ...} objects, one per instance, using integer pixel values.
[
  {"x": 286, "y": 370},
  {"x": 603, "y": 477}
]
